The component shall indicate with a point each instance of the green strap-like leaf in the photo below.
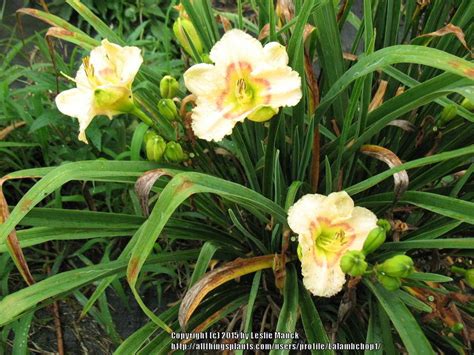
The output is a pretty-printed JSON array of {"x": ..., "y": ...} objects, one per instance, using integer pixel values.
[
  {"x": 393, "y": 55},
  {"x": 312, "y": 324},
  {"x": 17, "y": 303},
  {"x": 289, "y": 311},
  {"x": 410, "y": 332}
]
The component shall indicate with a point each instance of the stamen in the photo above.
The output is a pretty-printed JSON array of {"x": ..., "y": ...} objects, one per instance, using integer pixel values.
[
  {"x": 241, "y": 86},
  {"x": 243, "y": 91},
  {"x": 88, "y": 67}
]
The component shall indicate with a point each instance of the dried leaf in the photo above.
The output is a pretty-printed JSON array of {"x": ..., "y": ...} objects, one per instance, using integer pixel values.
[
  {"x": 401, "y": 179},
  {"x": 265, "y": 32},
  {"x": 144, "y": 184},
  {"x": 403, "y": 124},
  {"x": 400, "y": 90},
  {"x": 285, "y": 10},
  {"x": 7, "y": 130},
  {"x": 12, "y": 241},
  {"x": 225, "y": 23},
  {"x": 349, "y": 56},
  {"x": 308, "y": 29},
  {"x": 449, "y": 29},
  {"x": 378, "y": 97},
  {"x": 217, "y": 277},
  {"x": 423, "y": 3}
]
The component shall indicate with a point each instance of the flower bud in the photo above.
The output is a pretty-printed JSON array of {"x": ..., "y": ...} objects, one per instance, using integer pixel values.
[
  {"x": 185, "y": 32},
  {"x": 384, "y": 224},
  {"x": 167, "y": 109},
  {"x": 457, "y": 327},
  {"x": 374, "y": 240},
  {"x": 263, "y": 114},
  {"x": 469, "y": 277},
  {"x": 169, "y": 87},
  {"x": 390, "y": 283},
  {"x": 113, "y": 100},
  {"x": 155, "y": 146},
  {"x": 353, "y": 263},
  {"x": 174, "y": 152},
  {"x": 467, "y": 104},
  {"x": 397, "y": 266},
  {"x": 449, "y": 113},
  {"x": 148, "y": 135}
]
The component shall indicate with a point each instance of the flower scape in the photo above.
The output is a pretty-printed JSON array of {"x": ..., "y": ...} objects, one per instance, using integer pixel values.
[{"x": 254, "y": 173}]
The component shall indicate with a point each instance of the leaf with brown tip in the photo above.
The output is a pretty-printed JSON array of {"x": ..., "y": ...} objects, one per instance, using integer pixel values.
[
  {"x": 73, "y": 37},
  {"x": 401, "y": 179},
  {"x": 12, "y": 242},
  {"x": 449, "y": 29},
  {"x": 378, "y": 97},
  {"x": 403, "y": 124},
  {"x": 217, "y": 277},
  {"x": 144, "y": 184}
]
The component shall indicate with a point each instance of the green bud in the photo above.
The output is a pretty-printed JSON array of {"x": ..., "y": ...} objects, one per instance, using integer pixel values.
[
  {"x": 469, "y": 277},
  {"x": 167, "y": 109},
  {"x": 113, "y": 100},
  {"x": 155, "y": 146},
  {"x": 374, "y": 240},
  {"x": 449, "y": 113},
  {"x": 149, "y": 135},
  {"x": 397, "y": 266},
  {"x": 467, "y": 104},
  {"x": 390, "y": 283},
  {"x": 169, "y": 87},
  {"x": 263, "y": 114},
  {"x": 457, "y": 327},
  {"x": 384, "y": 224},
  {"x": 174, "y": 152},
  {"x": 185, "y": 31},
  {"x": 353, "y": 263}
]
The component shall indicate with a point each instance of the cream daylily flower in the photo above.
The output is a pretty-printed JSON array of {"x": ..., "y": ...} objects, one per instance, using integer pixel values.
[
  {"x": 246, "y": 80},
  {"x": 327, "y": 227},
  {"x": 104, "y": 83}
]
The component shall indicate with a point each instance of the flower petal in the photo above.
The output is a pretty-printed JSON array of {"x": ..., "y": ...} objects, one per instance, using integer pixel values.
[
  {"x": 128, "y": 63},
  {"x": 81, "y": 80},
  {"x": 304, "y": 213},
  {"x": 321, "y": 279},
  {"x": 114, "y": 64},
  {"x": 283, "y": 86},
  {"x": 204, "y": 80},
  {"x": 275, "y": 55},
  {"x": 234, "y": 47},
  {"x": 77, "y": 103},
  {"x": 210, "y": 124},
  {"x": 362, "y": 222},
  {"x": 339, "y": 206}
]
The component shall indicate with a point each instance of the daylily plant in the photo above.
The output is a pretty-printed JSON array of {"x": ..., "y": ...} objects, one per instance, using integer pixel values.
[
  {"x": 328, "y": 227},
  {"x": 246, "y": 80},
  {"x": 104, "y": 85}
]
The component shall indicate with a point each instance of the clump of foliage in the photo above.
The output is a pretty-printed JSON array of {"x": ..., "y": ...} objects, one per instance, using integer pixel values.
[{"x": 401, "y": 96}]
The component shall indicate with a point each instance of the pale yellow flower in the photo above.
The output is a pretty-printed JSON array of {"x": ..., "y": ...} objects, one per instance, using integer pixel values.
[
  {"x": 104, "y": 85},
  {"x": 327, "y": 227},
  {"x": 246, "y": 80}
]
